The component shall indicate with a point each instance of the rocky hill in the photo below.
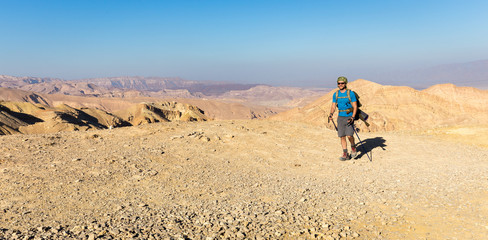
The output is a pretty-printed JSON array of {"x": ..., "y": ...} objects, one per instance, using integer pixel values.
[
  {"x": 8, "y": 94},
  {"x": 144, "y": 113},
  {"x": 275, "y": 96},
  {"x": 10, "y": 121},
  {"x": 403, "y": 108},
  {"x": 29, "y": 118}
]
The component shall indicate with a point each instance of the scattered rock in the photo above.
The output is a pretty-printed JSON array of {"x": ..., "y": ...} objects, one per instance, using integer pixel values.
[{"x": 253, "y": 187}]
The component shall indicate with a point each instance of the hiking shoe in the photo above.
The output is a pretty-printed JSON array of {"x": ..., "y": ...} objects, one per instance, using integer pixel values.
[
  {"x": 354, "y": 153},
  {"x": 345, "y": 157}
]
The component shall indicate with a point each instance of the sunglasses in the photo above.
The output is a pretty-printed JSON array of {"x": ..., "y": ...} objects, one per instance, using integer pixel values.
[{"x": 340, "y": 83}]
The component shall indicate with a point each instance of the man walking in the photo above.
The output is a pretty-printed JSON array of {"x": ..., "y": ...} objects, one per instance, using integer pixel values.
[{"x": 345, "y": 100}]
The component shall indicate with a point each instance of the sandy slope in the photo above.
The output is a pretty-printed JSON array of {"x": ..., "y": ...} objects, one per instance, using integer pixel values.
[
  {"x": 401, "y": 108},
  {"x": 239, "y": 179}
]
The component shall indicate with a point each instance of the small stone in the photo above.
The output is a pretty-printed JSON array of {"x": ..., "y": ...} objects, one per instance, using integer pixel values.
[
  {"x": 176, "y": 137},
  {"x": 205, "y": 139},
  {"x": 76, "y": 159},
  {"x": 141, "y": 205},
  {"x": 76, "y": 230},
  {"x": 152, "y": 172},
  {"x": 91, "y": 236},
  {"x": 118, "y": 208}
]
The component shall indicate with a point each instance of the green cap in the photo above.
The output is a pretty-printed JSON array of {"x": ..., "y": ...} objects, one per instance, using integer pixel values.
[{"x": 342, "y": 79}]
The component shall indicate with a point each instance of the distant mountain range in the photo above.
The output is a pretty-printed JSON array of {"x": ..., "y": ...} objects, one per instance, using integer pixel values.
[
  {"x": 469, "y": 74},
  {"x": 147, "y": 86},
  {"x": 155, "y": 84},
  {"x": 166, "y": 88}
]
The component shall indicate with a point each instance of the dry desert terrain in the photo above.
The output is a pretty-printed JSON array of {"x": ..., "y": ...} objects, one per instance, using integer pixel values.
[{"x": 241, "y": 179}]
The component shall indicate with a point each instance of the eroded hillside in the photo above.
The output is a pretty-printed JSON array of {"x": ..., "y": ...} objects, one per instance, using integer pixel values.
[
  {"x": 29, "y": 118},
  {"x": 403, "y": 108}
]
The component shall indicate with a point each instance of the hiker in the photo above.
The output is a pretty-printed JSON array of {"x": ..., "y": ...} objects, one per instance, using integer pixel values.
[{"x": 345, "y": 119}]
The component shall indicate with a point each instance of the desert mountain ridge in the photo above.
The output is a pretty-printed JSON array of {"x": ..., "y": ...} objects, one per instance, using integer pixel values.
[
  {"x": 161, "y": 87},
  {"x": 393, "y": 108}
]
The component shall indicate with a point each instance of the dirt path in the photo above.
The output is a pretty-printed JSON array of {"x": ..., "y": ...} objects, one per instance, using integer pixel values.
[{"x": 239, "y": 179}]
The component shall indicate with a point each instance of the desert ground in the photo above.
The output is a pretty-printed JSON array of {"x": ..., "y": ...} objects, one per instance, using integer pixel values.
[{"x": 242, "y": 179}]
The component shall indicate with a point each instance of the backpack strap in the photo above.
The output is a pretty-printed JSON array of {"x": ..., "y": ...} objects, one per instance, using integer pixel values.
[{"x": 337, "y": 97}]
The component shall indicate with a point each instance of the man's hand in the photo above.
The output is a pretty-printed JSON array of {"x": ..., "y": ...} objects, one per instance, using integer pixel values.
[
  {"x": 350, "y": 120},
  {"x": 330, "y": 117}
]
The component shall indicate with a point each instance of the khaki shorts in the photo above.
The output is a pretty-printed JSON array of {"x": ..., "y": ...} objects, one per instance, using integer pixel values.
[{"x": 342, "y": 128}]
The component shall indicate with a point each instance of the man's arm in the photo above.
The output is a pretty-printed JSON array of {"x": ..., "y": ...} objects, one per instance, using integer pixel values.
[
  {"x": 332, "y": 107},
  {"x": 354, "y": 108},
  {"x": 332, "y": 110}
]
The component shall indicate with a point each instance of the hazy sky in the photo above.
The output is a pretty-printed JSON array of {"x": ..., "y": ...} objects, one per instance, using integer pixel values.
[{"x": 296, "y": 43}]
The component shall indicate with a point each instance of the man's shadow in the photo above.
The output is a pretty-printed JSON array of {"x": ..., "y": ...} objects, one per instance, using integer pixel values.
[{"x": 367, "y": 145}]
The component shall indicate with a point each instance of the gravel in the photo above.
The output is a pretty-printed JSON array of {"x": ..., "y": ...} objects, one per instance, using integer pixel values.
[{"x": 228, "y": 180}]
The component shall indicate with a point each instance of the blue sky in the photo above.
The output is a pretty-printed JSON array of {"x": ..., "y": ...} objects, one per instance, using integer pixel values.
[{"x": 294, "y": 43}]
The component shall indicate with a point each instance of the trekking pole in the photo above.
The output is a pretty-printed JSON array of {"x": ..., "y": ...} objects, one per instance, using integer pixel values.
[
  {"x": 361, "y": 142},
  {"x": 334, "y": 124}
]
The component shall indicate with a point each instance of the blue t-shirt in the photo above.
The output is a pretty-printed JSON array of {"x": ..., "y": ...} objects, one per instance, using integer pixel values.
[{"x": 343, "y": 102}]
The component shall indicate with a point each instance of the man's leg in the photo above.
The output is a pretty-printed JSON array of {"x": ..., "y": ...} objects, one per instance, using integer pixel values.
[
  {"x": 344, "y": 142},
  {"x": 345, "y": 156},
  {"x": 354, "y": 152},
  {"x": 351, "y": 140},
  {"x": 341, "y": 127}
]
